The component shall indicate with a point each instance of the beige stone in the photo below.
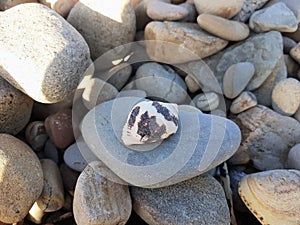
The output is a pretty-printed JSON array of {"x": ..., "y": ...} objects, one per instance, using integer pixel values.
[
  {"x": 62, "y": 7},
  {"x": 295, "y": 53},
  {"x": 244, "y": 101}
]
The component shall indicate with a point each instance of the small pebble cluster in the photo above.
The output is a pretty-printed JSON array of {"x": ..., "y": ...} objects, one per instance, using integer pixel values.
[{"x": 215, "y": 81}]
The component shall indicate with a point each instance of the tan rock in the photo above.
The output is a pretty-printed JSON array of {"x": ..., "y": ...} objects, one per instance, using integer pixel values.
[
  {"x": 244, "y": 101},
  {"x": 227, "y": 29},
  {"x": 62, "y": 7},
  {"x": 295, "y": 53}
]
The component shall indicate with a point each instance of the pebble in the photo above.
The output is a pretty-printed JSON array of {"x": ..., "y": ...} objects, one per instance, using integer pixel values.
[
  {"x": 51, "y": 152},
  {"x": 295, "y": 53},
  {"x": 236, "y": 78},
  {"x": 62, "y": 7},
  {"x": 7, "y": 4},
  {"x": 159, "y": 10},
  {"x": 142, "y": 19},
  {"x": 226, "y": 29},
  {"x": 267, "y": 136},
  {"x": 160, "y": 82},
  {"x": 36, "y": 135},
  {"x": 54, "y": 61},
  {"x": 276, "y": 17},
  {"x": 272, "y": 196},
  {"x": 111, "y": 201},
  {"x": 297, "y": 115},
  {"x": 74, "y": 159},
  {"x": 286, "y": 96},
  {"x": 199, "y": 156},
  {"x": 206, "y": 101},
  {"x": 223, "y": 8},
  {"x": 294, "y": 36},
  {"x": 249, "y": 6},
  {"x": 59, "y": 128},
  {"x": 69, "y": 178},
  {"x": 292, "y": 66},
  {"x": 15, "y": 108},
  {"x": 288, "y": 44},
  {"x": 187, "y": 42},
  {"x": 244, "y": 101},
  {"x": 293, "y": 161},
  {"x": 200, "y": 200},
  {"x": 192, "y": 12},
  {"x": 293, "y": 5},
  {"x": 21, "y": 180},
  {"x": 113, "y": 23}
]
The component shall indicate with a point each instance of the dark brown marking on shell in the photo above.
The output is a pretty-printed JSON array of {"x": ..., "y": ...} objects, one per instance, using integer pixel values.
[
  {"x": 133, "y": 116},
  {"x": 165, "y": 112}
]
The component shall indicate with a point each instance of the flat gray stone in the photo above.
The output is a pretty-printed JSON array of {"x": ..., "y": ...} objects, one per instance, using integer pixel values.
[
  {"x": 49, "y": 52},
  {"x": 73, "y": 157},
  {"x": 201, "y": 143},
  {"x": 199, "y": 201}
]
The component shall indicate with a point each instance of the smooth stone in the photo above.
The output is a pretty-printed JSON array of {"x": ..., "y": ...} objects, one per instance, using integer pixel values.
[
  {"x": 276, "y": 17},
  {"x": 142, "y": 19},
  {"x": 62, "y": 7},
  {"x": 236, "y": 78},
  {"x": 74, "y": 159},
  {"x": 293, "y": 5},
  {"x": 111, "y": 201},
  {"x": 15, "y": 108},
  {"x": 200, "y": 200},
  {"x": 292, "y": 66},
  {"x": 158, "y": 10},
  {"x": 295, "y": 35},
  {"x": 7, "y": 4},
  {"x": 113, "y": 23},
  {"x": 293, "y": 161},
  {"x": 98, "y": 91},
  {"x": 267, "y": 136},
  {"x": 286, "y": 96},
  {"x": 69, "y": 178},
  {"x": 295, "y": 53},
  {"x": 187, "y": 42},
  {"x": 226, "y": 29},
  {"x": 249, "y": 6},
  {"x": 297, "y": 115},
  {"x": 244, "y": 101},
  {"x": 103, "y": 136},
  {"x": 192, "y": 84},
  {"x": 51, "y": 152},
  {"x": 270, "y": 44},
  {"x": 272, "y": 196},
  {"x": 54, "y": 61},
  {"x": 206, "y": 101},
  {"x": 288, "y": 44},
  {"x": 223, "y": 8},
  {"x": 59, "y": 128},
  {"x": 21, "y": 180},
  {"x": 134, "y": 93},
  {"x": 264, "y": 92},
  {"x": 36, "y": 135},
  {"x": 192, "y": 12},
  {"x": 160, "y": 82}
]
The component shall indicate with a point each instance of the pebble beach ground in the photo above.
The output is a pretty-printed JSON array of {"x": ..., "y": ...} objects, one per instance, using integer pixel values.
[{"x": 159, "y": 112}]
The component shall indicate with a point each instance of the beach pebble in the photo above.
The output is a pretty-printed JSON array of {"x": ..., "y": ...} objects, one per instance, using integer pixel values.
[
  {"x": 36, "y": 135},
  {"x": 21, "y": 180},
  {"x": 51, "y": 53},
  {"x": 244, "y": 101},
  {"x": 295, "y": 53},
  {"x": 69, "y": 178},
  {"x": 159, "y": 10},
  {"x": 142, "y": 19},
  {"x": 192, "y": 12},
  {"x": 160, "y": 205},
  {"x": 288, "y": 44},
  {"x": 292, "y": 66},
  {"x": 62, "y": 7},
  {"x": 297, "y": 115},
  {"x": 51, "y": 152},
  {"x": 15, "y": 108},
  {"x": 187, "y": 42},
  {"x": 111, "y": 22},
  {"x": 293, "y": 5},
  {"x": 286, "y": 96},
  {"x": 6, "y": 4},
  {"x": 74, "y": 159},
  {"x": 111, "y": 201},
  {"x": 206, "y": 101},
  {"x": 249, "y": 6},
  {"x": 276, "y": 17},
  {"x": 226, "y": 29},
  {"x": 59, "y": 128},
  {"x": 267, "y": 136},
  {"x": 223, "y": 8},
  {"x": 236, "y": 78},
  {"x": 293, "y": 161}
]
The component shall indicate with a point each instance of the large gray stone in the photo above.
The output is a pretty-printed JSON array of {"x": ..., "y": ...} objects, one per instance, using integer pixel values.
[
  {"x": 199, "y": 201},
  {"x": 42, "y": 55},
  {"x": 201, "y": 143}
]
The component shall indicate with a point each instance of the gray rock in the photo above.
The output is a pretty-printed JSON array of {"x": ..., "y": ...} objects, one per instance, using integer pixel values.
[
  {"x": 206, "y": 101},
  {"x": 293, "y": 161},
  {"x": 297, "y": 115},
  {"x": 244, "y": 101},
  {"x": 36, "y": 135},
  {"x": 142, "y": 19},
  {"x": 295, "y": 53},
  {"x": 276, "y": 17},
  {"x": 160, "y": 82},
  {"x": 51, "y": 152},
  {"x": 264, "y": 61},
  {"x": 74, "y": 159},
  {"x": 200, "y": 201},
  {"x": 111, "y": 202},
  {"x": 264, "y": 92},
  {"x": 192, "y": 15},
  {"x": 292, "y": 66},
  {"x": 204, "y": 140},
  {"x": 15, "y": 108},
  {"x": 236, "y": 78},
  {"x": 69, "y": 177},
  {"x": 113, "y": 23},
  {"x": 7, "y": 4},
  {"x": 51, "y": 53},
  {"x": 248, "y": 8},
  {"x": 293, "y": 5},
  {"x": 267, "y": 136},
  {"x": 288, "y": 44},
  {"x": 286, "y": 96},
  {"x": 21, "y": 180}
]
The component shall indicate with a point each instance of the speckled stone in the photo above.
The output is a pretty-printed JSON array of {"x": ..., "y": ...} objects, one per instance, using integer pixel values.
[
  {"x": 15, "y": 108},
  {"x": 200, "y": 200},
  {"x": 244, "y": 101},
  {"x": 51, "y": 53},
  {"x": 249, "y": 6},
  {"x": 21, "y": 180}
]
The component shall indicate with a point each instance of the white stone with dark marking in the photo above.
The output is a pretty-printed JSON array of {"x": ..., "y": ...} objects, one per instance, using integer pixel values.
[{"x": 150, "y": 121}]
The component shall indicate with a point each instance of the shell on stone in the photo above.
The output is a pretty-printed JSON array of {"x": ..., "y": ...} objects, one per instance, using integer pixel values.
[
  {"x": 149, "y": 122},
  {"x": 273, "y": 196}
]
